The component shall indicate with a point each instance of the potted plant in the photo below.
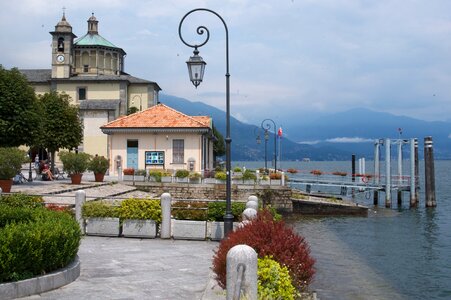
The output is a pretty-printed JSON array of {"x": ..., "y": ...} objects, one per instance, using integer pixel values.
[
  {"x": 194, "y": 177},
  {"x": 182, "y": 175},
  {"x": 75, "y": 164},
  {"x": 140, "y": 217},
  {"x": 11, "y": 160},
  {"x": 216, "y": 212},
  {"x": 102, "y": 218},
  {"x": 140, "y": 175},
  {"x": 220, "y": 177},
  {"x": 190, "y": 220},
  {"x": 128, "y": 174},
  {"x": 166, "y": 177},
  {"x": 99, "y": 165}
]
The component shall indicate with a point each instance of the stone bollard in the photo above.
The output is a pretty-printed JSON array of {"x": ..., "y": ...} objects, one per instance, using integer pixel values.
[
  {"x": 165, "y": 216},
  {"x": 242, "y": 259},
  {"x": 1, "y": 191},
  {"x": 257, "y": 174},
  {"x": 249, "y": 214},
  {"x": 252, "y": 198},
  {"x": 282, "y": 179},
  {"x": 252, "y": 204},
  {"x": 80, "y": 198}
]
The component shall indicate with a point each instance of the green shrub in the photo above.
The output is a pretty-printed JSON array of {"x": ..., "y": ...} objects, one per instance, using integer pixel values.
[
  {"x": 216, "y": 210},
  {"x": 74, "y": 163},
  {"x": 237, "y": 169},
  {"x": 155, "y": 174},
  {"x": 47, "y": 241},
  {"x": 187, "y": 210},
  {"x": 182, "y": 173},
  {"x": 274, "y": 281},
  {"x": 195, "y": 176},
  {"x": 140, "y": 172},
  {"x": 99, "y": 209},
  {"x": 22, "y": 200},
  {"x": 249, "y": 175},
  {"x": 221, "y": 175},
  {"x": 11, "y": 160},
  {"x": 10, "y": 214},
  {"x": 99, "y": 164},
  {"x": 140, "y": 209}
]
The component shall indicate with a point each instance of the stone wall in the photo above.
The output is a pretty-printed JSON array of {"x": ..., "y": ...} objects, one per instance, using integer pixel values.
[{"x": 278, "y": 197}]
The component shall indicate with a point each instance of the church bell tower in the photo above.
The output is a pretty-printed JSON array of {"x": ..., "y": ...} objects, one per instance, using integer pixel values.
[{"x": 62, "y": 49}]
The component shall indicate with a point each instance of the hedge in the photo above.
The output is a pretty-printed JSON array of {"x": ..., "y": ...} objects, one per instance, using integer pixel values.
[{"x": 36, "y": 241}]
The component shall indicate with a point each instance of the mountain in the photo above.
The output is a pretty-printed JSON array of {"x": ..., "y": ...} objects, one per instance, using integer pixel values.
[
  {"x": 244, "y": 146},
  {"x": 355, "y": 131}
]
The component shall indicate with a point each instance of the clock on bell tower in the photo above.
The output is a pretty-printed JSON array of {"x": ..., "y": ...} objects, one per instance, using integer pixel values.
[{"x": 62, "y": 49}]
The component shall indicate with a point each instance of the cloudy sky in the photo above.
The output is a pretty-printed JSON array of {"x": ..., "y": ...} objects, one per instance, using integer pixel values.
[{"x": 288, "y": 58}]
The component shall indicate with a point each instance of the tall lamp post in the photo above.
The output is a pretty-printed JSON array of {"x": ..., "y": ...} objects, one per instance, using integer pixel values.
[
  {"x": 196, "y": 68},
  {"x": 266, "y": 125}
]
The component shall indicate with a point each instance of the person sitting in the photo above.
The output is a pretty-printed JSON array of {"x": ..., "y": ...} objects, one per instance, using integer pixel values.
[{"x": 46, "y": 173}]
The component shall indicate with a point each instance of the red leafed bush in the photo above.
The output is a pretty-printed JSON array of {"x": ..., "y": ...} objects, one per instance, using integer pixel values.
[{"x": 269, "y": 238}]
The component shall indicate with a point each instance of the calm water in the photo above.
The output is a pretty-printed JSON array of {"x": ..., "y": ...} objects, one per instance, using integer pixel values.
[{"x": 397, "y": 253}]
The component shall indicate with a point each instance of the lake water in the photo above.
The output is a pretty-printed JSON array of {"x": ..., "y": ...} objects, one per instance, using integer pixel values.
[{"x": 394, "y": 253}]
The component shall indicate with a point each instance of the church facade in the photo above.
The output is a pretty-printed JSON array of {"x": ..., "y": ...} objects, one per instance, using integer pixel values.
[{"x": 90, "y": 69}]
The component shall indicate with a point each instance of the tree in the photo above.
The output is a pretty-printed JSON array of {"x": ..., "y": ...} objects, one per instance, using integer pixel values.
[
  {"x": 219, "y": 144},
  {"x": 19, "y": 111},
  {"x": 62, "y": 127}
]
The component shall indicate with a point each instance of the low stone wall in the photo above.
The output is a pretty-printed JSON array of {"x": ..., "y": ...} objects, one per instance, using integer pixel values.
[{"x": 278, "y": 197}]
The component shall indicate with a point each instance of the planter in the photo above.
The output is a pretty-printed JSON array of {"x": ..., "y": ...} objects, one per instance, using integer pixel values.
[
  {"x": 128, "y": 177},
  {"x": 6, "y": 184},
  {"x": 215, "y": 230},
  {"x": 76, "y": 178},
  {"x": 139, "y": 228},
  {"x": 194, "y": 180},
  {"x": 209, "y": 180},
  {"x": 219, "y": 181},
  {"x": 276, "y": 182},
  {"x": 264, "y": 182},
  {"x": 99, "y": 177},
  {"x": 140, "y": 178},
  {"x": 103, "y": 226},
  {"x": 189, "y": 230},
  {"x": 166, "y": 179},
  {"x": 249, "y": 181},
  {"x": 182, "y": 180}
]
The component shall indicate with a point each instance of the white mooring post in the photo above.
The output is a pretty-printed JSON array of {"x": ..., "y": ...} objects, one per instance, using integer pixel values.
[
  {"x": 165, "y": 216},
  {"x": 413, "y": 200},
  {"x": 387, "y": 173},
  {"x": 242, "y": 273},
  {"x": 80, "y": 199},
  {"x": 377, "y": 170}
]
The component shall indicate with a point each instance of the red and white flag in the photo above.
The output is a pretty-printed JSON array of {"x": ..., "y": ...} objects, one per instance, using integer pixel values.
[{"x": 279, "y": 132}]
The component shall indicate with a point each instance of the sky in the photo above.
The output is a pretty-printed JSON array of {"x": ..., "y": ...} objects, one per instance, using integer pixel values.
[{"x": 289, "y": 59}]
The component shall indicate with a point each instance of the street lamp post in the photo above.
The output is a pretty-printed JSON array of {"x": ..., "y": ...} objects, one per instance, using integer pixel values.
[
  {"x": 266, "y": 125},
  {"x": 196, "y": 67}
]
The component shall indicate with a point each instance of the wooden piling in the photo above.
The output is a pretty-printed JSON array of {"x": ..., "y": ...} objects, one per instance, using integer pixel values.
[
  {"x": 413, "y": 200},
  {"x": 429, "y": 172},
  {"x": 417, "y": 173},
  {"x": 377, "y": 170},
  {"x": 353, "y": 174}
]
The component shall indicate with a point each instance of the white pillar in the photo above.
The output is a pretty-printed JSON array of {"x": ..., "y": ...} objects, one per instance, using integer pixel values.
[
  {"x": 413, "y": 199},
  {"x": 166, "y": 216},
  {"x": 80, "y": 198},
  {"x": 387, "y": 173},
  {"x": 237, "y": 257}
]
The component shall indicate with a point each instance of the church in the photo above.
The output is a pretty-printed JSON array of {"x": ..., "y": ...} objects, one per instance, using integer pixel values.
[{"x": 90, "y": 69}]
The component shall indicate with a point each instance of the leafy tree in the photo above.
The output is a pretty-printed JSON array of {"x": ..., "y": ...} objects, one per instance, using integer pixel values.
[
  {"x": 219, "y": 144},
  {"x": 132, "y": 110},
  {"x": 19, "y": 111},
  {"x": 62, "y": 126}
]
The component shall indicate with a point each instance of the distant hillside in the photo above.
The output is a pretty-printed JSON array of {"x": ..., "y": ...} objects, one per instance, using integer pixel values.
[{"x": 244, "y": 146}]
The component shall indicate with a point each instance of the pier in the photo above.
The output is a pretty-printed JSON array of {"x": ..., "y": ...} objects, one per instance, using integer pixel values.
[{"x": 388, "y": 182}]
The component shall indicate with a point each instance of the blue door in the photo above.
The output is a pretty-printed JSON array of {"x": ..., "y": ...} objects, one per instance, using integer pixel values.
[{"x": 132, "y": 154}]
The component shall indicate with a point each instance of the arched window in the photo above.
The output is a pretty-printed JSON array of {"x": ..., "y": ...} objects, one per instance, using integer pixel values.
[{"x": 61, "y": 44}]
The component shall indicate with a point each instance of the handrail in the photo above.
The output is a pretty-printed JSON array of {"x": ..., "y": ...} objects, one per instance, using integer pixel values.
[{"x": 241, "y": 269}]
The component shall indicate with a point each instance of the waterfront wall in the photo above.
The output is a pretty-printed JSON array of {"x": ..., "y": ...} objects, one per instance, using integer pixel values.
[{"x": 278, "y": 197}]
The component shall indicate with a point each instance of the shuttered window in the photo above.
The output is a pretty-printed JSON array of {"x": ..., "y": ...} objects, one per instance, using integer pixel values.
[{"x": 178, "y": 151}]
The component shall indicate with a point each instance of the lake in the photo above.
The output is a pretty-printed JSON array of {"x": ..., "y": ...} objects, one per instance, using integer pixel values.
[{"x": 394, "y": 253}]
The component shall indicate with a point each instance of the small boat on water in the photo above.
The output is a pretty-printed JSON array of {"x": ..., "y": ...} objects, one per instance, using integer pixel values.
[{"x": 306, "y": 159}]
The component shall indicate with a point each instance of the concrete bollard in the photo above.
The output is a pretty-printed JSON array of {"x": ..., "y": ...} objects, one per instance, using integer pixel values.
[
  {"x": 252, "y": 198},
  {"x": 257, "y": 174},
  {"x": 1, "y": 191},
  {"x": 166, "y": 216},
  {"x": 80, "y": 199},
  {"x": 249, "y": 214},
  {"x": 242, "y": 259},
  {"x": 252, "y": 204},
  {"x": 282, "y": 179}
]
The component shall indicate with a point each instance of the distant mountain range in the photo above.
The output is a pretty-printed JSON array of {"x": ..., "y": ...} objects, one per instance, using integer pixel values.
[{"x": 329, "y": 137}]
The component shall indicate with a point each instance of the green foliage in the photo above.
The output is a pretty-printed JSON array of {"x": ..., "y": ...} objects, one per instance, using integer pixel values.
[
  {"x": 195, "y": 176},
  {"x": 182, "y": 173},
  {"x": 218, "y": 144},
  {"x": 140, "y": 172},
  {"x": 21, "y": 200},
  {"x": 75, "y": 163},
  {"x": 274, "y": 281},
  {"x": 36, "y": 245},
  {"x": 249, "y": 175},
  {"x": 140, "y": 209},
  {"x": 99, "y": 209},
  {"x": 184, "y": 210},
  {"x": 11, "y": 160},
  {"x": 99, "y": 164},
  {"x": 10, "y": 214},
  {"x": 62, "y": 127},
  {"x": 221, "y": 175},
  {"x": 155, "y": 174},
  {"x": 216, "y": 210},
  {"x": 20, "y": 119},
  {"x": 132, "y": 110},
  {"x": 237, "y": 169}
]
